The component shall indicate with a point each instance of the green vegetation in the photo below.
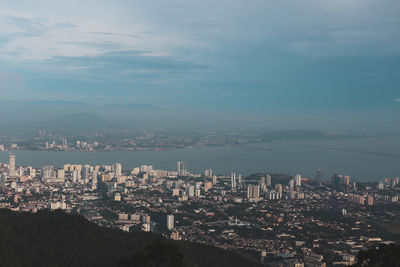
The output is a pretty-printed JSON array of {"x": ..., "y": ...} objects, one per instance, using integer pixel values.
[
  {"x": 383, "y": 255},
  {"x": 392, "y": 228},
  {"x": 58, "y": 239}
]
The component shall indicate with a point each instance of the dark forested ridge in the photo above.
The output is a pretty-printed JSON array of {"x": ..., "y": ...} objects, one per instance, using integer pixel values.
[
  {"x": 57, "y": 239},
  {"x": 384, "y": 255}
]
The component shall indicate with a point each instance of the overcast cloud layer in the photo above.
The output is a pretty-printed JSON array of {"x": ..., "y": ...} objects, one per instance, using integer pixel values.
[{"x": 248, "y": 57}]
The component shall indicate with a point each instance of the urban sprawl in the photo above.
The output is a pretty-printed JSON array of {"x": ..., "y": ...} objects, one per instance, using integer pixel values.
[{"x": 278, "y": 219}]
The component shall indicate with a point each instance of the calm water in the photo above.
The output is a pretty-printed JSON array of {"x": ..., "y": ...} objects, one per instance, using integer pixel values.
[{"x": 362, "y": 159}]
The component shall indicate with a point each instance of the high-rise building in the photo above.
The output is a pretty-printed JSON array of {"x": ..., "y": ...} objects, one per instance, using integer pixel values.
[
  {"x": 75, "y": 176},
  {"x": 253, "y": 191},
  {"x": 146, "y": 227},
  {"x": 208, "y": 173},
  {"x": 361, "y": 200},
  {"x": 190, "y": 191},
  {"x": 335, "y": 181},
  {"x": 135, "y": 171},
  {"x": 239, "y": 179},
  {"x": 11, "y": 166},
  {"x": 94, "y": 176},
  {"x": 2, "y": 179},
  {"x": 262, "y": 181},
  {"x": 370, "y": 200},
  {"x": 268, "y": 180},
  {"x": 279, "y": 188},
  {"x": 170, "y": 222},
  {"x": 146, "y": 168},
  {"x": 60, "y": 174},
  {"x": 181, "y": 167},
  {"x": 291, "y": 183},
  {"x": 118, "y": 169},
  {"x": 86, "y": 172},
  {"x": 48, "y": 172},
  {"x": 207, "y": 186},
  {"x": 298, "y": 180},
  {"x": 233, "y": 180},
  {"x": 344, "y": 212},
  {"x": 346, "y": 180},
  {"x": 339, "y": 180},
  {"x": 31, "y": 172},
  {"x": 319, "y": 176},
  {"x": 214, "y": 179}
]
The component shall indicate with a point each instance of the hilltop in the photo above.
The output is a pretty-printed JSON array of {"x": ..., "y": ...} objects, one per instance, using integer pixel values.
[{"x": 57, "y": 239}]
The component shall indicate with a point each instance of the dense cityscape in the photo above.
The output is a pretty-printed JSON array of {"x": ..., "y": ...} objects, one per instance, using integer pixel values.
[{"x": 277, "y": 219}]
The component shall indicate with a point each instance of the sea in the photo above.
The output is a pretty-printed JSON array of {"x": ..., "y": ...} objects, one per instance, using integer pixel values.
[{"x": 363, "y": 159}]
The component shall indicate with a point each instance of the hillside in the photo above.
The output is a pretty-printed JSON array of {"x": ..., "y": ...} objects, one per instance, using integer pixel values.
[
  {"x": 384, "y": 255},
  {"x": 58, "y": 239}
]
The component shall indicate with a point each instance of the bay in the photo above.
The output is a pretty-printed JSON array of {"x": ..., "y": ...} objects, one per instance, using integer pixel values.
[{"x": 364, "y": 159}]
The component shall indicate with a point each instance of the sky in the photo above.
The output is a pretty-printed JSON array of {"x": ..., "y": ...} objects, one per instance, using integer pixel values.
[{"x": 310, "y": 63}]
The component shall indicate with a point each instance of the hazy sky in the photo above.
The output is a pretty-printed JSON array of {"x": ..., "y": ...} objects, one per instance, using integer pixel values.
[{"x": 253, "y": 57}]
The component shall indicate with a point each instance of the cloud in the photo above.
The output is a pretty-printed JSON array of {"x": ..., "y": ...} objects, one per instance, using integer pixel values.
[
  {"x": 186, "y": 52},
  {"x": 119, "y": 73},
  {"x": 130, "y": 62},
  {"x": 345, "y": 42},
  {"x": 397, "y": 99},
  {"x": 31, "y": 37},
  {"x": 114, "y": 34}
]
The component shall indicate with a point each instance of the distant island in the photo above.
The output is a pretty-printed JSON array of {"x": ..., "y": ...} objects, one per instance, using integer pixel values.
[{"x": 86, "y": 131}]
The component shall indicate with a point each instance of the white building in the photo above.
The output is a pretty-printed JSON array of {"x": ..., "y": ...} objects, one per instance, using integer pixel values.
[
  {"x": 118, "y": 169},
  {"x": 208, "y": 173},
  {"x": 233, "y": 180},
  {"x": 11, "y": 165},
  {"x": 181, "y": 168},
  {"x": 268, "y": 180},
  {"x": 170, "y": 222},
  {"x": 298, "y": 180},
  {"x": 253, "y": 191}
]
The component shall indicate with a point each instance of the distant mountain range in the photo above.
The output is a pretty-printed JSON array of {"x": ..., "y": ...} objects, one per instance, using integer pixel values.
[
  {"x": 133, "y": 106},
  {"x": 79, "y": 103},
  {"x": 52, "y": 103},
  {"x": 73, "y": 114},
  {"x": 79, "y": 120}
]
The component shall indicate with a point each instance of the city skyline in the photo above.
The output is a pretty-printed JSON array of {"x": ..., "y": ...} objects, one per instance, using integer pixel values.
[{"x": 265, "y": 214}]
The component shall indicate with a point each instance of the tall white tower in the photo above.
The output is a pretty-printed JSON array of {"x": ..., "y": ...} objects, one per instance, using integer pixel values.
[
  {"x": 214, "y": 179},
  {"x": 181, "y": 168},
  {"x": 233, "y": 180},
  {"x": 298, "y": 180},
  {"x": 11, "y": 166},
  {"x": 170, "y": 222},
  {"x": 85, "y": 172},
  {"x": 118, "y": 169},
  {"x": 94, "y": 176},
  {"x": 48, "y": 172},
  {"x": 268, "y": 181}
]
